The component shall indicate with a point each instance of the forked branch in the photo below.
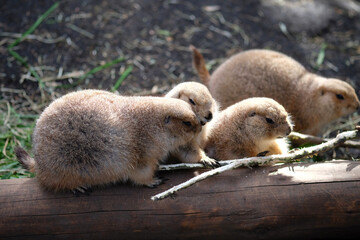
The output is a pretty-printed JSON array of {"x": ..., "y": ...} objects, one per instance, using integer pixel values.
[{"x": 289, "y": 157}]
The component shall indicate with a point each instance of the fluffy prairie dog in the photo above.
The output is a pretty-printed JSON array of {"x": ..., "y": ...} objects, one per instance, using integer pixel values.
[
  {"x": 205, "y": 107},
  {"x": 94, "y": 137},
  {"x": 312, "y": 100},
  {"x": 251, "y": 127}
]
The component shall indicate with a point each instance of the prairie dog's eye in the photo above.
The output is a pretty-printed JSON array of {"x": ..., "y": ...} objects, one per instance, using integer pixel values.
[
  {"x": 340, "y": 96},
  {"x": 167, "y": 119},
  {"x": 269, "y": 120},
  {"x": 252, "y": 114},
  {"x": 187, "y": 124},
  {"x": 192, "y": 101}
]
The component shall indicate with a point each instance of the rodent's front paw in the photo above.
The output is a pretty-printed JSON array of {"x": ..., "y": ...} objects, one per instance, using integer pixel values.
[
  {"x": 82, "y": 190},
  {"x": 209, "y": 162},
  {"x": 155, "y": 182},
  {"x": 262, "y": 154}
]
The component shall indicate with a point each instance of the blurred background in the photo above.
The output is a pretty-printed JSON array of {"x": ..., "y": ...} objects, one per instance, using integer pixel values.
[{"x": 141, "y": 47}]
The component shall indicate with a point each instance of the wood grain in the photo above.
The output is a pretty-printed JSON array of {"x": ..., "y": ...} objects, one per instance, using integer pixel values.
[{"x": 294, "y": 201}]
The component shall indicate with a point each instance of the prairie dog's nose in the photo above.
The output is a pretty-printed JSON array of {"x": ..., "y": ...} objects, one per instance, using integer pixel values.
[
  {"x": 209, "y": 117},
  {"x": 288, "y": 131}
]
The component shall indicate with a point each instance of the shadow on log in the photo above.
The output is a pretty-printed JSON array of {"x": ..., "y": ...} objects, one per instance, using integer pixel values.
[{"x": 293, "y": 201}]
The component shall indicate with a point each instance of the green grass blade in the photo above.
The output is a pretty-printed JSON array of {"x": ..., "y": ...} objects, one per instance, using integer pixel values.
[
  {"x": 101, "y": 67},
  {"x": 122, "y": 78},
  {"x": 35, "y": 25},
  {"x": 6, "y": 176},
  {"x": 18, "y": 58},
  {"x": 92, "y": 71},
  {"x": 321, "y": 55},
  {"x": 8, "y": 166},
  {"x": 22, "y": 61}
]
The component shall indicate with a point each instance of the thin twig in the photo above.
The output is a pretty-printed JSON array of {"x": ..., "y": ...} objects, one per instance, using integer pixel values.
[
  {"x": 221, "y": 32},
  {"x": 33, "y": 37},
  {"x": 178, "y": 166},
  {"x": 80, "y": 30},
  {"x": 297, "y": 154},
  {"x": 298, "y": 139},
  {"x": 75, "y": 74}
]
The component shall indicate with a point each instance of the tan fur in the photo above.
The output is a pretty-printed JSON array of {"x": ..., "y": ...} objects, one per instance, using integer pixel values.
[
  {"x": 243, "y": 130},
  {"x": 205, "y": 107},
  {"x": 310, "y": 99},
  {"x": 94, "y": 137},
  {"x": 199, "y": 65}
]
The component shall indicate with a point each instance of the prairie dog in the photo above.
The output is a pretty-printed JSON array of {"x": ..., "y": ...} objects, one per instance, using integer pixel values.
[
  {"x": 248, "y": 128},
  {"x": 312, "y": 100},
  {"x": 205, "y": 107},
  {"x": 94, "y": 137}
]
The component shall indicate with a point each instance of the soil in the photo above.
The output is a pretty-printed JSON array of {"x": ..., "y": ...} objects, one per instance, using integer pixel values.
[{"x": 154, "y": 37}]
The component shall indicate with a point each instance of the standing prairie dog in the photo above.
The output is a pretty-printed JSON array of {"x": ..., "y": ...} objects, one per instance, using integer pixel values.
[
  {"x": 312, "y": 100},
  {"x": 249, "y": 128},
  {"x": 94, "y": 137},
  {"x": 205, "y": 107}
]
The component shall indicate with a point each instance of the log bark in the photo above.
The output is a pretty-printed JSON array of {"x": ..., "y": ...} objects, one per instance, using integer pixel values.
[{"x": 291, "y": 201}]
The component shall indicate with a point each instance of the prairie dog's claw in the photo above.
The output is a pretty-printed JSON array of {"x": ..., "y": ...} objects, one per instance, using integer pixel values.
[
  {"x": 156, "y": 182},
  {"x": 81, "y": 190},
  {"x": 209, "y": 162},
  {"x": 262, "y": 154}
]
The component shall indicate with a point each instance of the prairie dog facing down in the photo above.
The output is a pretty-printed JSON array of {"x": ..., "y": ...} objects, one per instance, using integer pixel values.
[
  {"x": 204, "y": 106},
  {"x": 312, "y": 100},
  {"x": 248, "y": 128},
  {"x": 94, "y": 137}
]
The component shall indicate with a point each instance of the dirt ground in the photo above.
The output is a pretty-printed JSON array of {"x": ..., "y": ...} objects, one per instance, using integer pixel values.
[{"x": 154, "y": 38}]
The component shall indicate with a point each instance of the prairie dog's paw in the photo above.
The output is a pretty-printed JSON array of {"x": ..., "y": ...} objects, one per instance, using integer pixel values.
[
  {"x": 262, "y": 154},
  {"x": 81, "y": 190},
  {"x": 155, "y": 182},
  {"x": 209, "y": 162}
]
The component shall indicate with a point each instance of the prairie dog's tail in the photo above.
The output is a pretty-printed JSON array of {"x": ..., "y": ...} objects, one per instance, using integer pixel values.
[
  {"x": 199, "y": 65},
  {"x": 24, "y": 159}
]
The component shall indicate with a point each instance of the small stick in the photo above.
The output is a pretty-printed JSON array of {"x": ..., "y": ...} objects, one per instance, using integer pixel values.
[
  {"x": 340, "y": 138},
  {"x": 80, "y": 30},
  {"x": 299, "y": 139},
  {"x": 178, "y": 166}
]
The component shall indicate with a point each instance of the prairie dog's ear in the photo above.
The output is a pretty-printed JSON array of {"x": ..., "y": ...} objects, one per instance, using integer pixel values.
[
  {"x": 177, "y": 94},
  {"x": 252, "y": 114},
  {"x": 167, "y": 119},
  {"x": 183, "y": 96},
  {"x": 321, "y": 90},
  {"x": 174, "y": 93}
]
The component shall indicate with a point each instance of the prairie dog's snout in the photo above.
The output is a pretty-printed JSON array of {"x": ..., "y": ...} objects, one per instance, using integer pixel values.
[
  {"x": 285, "y": 129},
  {"x": 199, "y": 98},
  {"x": 207, "y": 118}
]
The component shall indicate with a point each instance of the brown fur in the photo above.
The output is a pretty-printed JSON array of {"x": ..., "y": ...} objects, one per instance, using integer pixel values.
[
  {"x": 248, "y": 128},
  {"x": 94, "y": 137},
  {"x": 312, "y": 100},
  {"x": 205, "y": 107},
  {"x": 199, "y": 65}
]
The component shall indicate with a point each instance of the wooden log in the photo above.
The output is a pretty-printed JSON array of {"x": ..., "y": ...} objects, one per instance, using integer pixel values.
[{"x": 292, "y": 201}]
